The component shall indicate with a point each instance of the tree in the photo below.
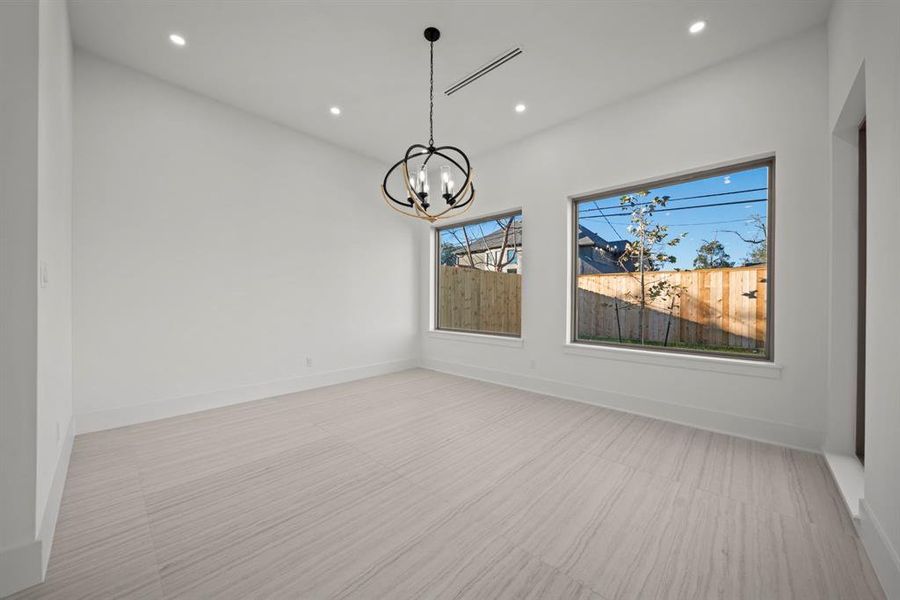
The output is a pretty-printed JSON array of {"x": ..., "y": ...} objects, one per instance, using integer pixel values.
[
  {"x": 758, "y": 255},
  {"x": 758, "y": 241},
  {"x": 648, "y": 251},
  {"x": 502, "y": 258},
  {"x": 448, "y": 254},
  {"x": 486, "y": 259},
  {"x": 712, "y": 255}
]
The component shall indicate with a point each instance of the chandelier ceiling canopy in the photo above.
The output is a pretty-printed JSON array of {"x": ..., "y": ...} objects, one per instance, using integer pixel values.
[{"x": 422, "y": 164}]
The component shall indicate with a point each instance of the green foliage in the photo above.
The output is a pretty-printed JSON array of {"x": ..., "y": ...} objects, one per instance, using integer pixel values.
[
  {"x": 712, "y": 255},
  {"x": 757, "y": 255},
  {"x": 448, "y": 254},
  {"x": 648, "y": 250},
  {"x": 758, "y": 241},
  {"x": 684, "y": 345}
]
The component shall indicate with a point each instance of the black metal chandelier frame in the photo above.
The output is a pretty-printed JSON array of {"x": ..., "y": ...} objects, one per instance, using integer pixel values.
[{"x": 418, "y": 200}]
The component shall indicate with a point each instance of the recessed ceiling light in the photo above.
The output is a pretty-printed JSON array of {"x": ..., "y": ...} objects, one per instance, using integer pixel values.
[
  {"x": 520, "y": 108},
  {"x": 335, "y": 110},
  {"x": 176, "y": 39},
  {"x": 697, "y": 27}
]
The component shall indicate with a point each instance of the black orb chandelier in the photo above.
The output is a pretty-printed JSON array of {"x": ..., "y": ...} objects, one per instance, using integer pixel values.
[{"x": 455, "y": 175}]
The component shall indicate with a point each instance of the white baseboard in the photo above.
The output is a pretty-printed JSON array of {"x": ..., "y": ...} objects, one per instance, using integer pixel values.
[
  {"x": 849, "y": 476},
  {"x": 782, "y": 434},
  {"x": 173, "y": 407},
  {"x": 20, "y": 567},
  {"x": 54, "y": 499},
  {"x": 26, "y": 565},
  {"x": 881, "y": 552}
]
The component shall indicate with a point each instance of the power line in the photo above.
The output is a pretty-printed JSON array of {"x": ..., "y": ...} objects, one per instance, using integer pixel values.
[
  {"x": 686, "y": 224},
  {"x": 762, "y": 189},
  {"x": 731, "y": 193},
  {"x": 619, "y": 235},
  {"x": 750, "y": 201}
]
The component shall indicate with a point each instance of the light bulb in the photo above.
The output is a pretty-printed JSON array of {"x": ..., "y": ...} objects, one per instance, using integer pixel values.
[
  {"x": 445, "y": 182},
  {"x": 422, "y": 182}
]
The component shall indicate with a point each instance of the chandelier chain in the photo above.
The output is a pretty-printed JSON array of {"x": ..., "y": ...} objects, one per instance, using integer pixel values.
[{"x": 431, "y": 97}]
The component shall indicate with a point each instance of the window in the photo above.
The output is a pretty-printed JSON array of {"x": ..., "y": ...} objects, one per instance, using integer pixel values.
[
  {"x": 478, "y": 276},
  {"x": 681, "y": 264}
]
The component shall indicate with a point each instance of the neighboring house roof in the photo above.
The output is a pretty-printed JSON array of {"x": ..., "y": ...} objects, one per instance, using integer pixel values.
[
  {"x": 586, "y": 237},
  {"x": 596, "y": 255},
  {"x": 589, "y": 264},
  {"x": 494, "y": 240}
]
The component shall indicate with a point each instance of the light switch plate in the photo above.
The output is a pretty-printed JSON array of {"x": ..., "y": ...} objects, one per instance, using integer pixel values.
[{"x": 44, "y": 275}]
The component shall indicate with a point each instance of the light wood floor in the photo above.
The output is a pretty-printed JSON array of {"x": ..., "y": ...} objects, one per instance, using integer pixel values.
[{"x": 424, "y": 485}]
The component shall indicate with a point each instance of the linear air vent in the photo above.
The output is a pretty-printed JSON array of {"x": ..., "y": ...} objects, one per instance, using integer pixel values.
[{"x": 481, "y": 72}]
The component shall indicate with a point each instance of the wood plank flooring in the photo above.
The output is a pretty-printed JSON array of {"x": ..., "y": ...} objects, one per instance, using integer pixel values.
[{"x": 425, "y": 485}]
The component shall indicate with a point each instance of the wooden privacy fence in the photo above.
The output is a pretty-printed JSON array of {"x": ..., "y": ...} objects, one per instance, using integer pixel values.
[
  {"x": 714, "y": 307},
  {"x": 476, "y": 300}
]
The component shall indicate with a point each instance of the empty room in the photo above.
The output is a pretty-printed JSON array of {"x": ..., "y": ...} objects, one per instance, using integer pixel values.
[{"x": 588, "y": 300}]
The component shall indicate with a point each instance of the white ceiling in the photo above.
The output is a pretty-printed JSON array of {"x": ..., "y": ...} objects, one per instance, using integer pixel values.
[{"x": 290, "y": 61}]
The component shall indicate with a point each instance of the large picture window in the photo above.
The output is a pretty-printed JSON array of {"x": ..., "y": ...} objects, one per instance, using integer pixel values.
[
  {"x": 681, "y": 264},
  {"x": 479, "y": 276}
]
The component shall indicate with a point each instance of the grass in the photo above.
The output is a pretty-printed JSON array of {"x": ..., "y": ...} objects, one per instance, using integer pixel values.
[{"x": 737, "y": 351}]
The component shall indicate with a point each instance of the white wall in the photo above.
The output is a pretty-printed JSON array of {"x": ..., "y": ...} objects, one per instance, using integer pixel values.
[
  {"x": 772, "y": 101},
  {"x": 35, "y": 322},
  {"x": 864, "y": 37},
  {"x": 215, "y": 251},
  {"x": 54, "y": 345},
  {"x": 18, "y": 262}
]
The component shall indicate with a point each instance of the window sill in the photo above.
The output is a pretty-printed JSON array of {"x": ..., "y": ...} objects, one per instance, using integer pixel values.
[
  {"x": 478, "y": 338},
  {"x": 736, "y": 366}
]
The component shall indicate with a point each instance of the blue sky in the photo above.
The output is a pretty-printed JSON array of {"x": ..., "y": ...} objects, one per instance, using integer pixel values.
[{"x": 746, "y": 191}]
